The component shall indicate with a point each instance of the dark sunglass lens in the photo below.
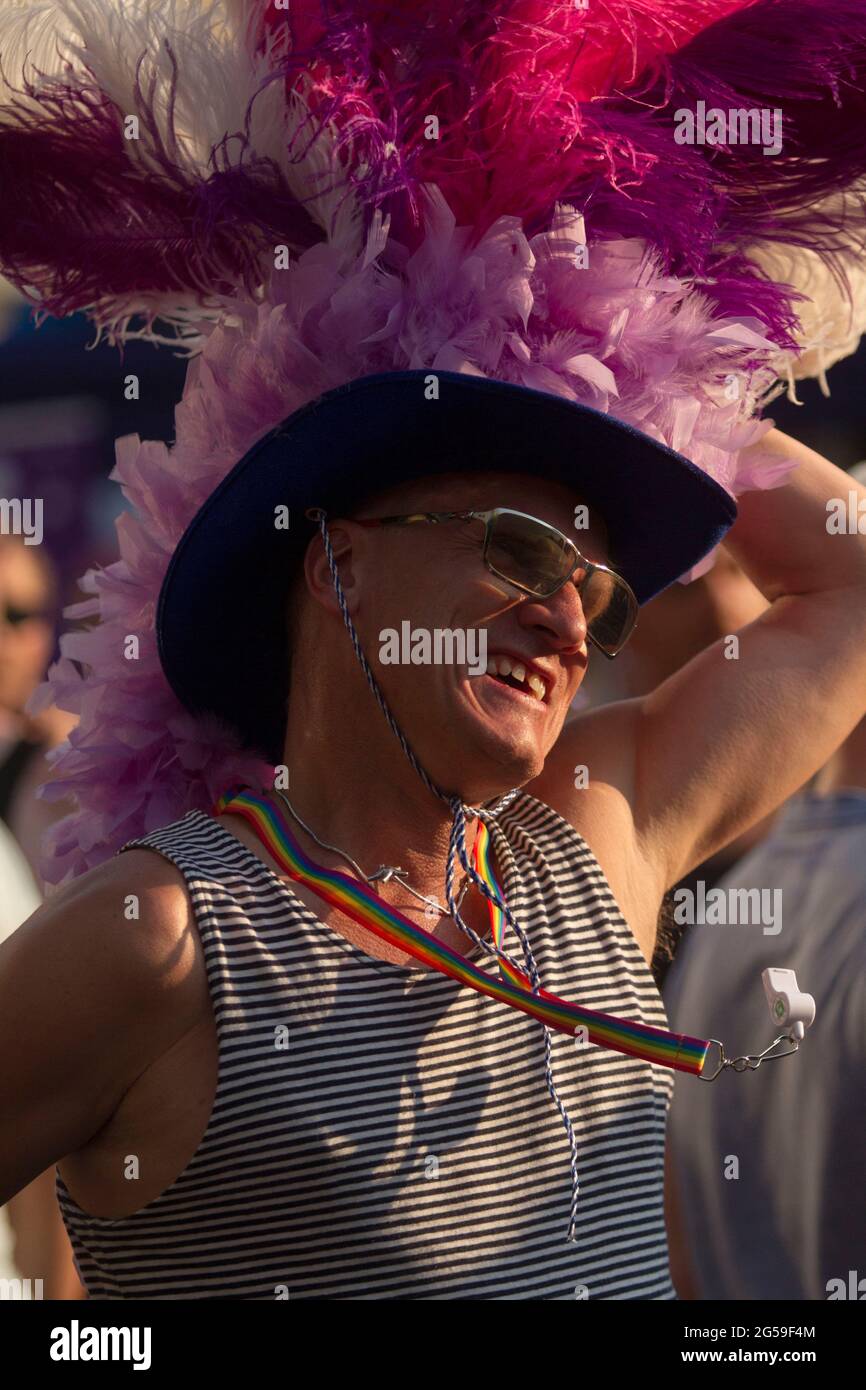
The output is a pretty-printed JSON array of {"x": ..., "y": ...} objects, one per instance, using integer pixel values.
[
  {"x": 528, "y": 552},
  {"x": 15, "y": 616},
  {"x": 608, "y": 608}
]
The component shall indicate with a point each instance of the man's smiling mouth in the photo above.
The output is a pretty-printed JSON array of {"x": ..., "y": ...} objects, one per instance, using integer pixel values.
[{"x": 514, "y": 675}]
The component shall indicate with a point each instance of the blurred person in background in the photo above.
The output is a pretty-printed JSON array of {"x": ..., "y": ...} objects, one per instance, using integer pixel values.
[
  {"x": 28, "y": 608},
  {"x": 33, "y": 1241},
  {"x": 767, "y": 1191}
]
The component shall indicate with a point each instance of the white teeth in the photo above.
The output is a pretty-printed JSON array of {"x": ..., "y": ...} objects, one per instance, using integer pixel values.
[{"x": 504, "y": 666}]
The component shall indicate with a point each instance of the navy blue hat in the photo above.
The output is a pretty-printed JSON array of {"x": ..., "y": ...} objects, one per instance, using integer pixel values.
[{"x": 221, "y": 617}]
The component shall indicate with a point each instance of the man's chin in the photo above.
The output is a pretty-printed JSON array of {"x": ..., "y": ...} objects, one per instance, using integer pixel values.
[{"x": 493, "y": 754}]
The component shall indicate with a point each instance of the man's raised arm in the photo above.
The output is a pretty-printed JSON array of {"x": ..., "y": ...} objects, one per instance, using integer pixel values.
[{"x": 743, "y": 725}]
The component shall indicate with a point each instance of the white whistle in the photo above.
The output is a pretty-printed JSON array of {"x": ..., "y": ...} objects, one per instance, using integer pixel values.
[{"x": 788, "y": 1005}]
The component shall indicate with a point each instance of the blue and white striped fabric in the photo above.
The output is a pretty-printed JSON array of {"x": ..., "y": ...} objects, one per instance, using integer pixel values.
[{"x": 404, "y": 1144}]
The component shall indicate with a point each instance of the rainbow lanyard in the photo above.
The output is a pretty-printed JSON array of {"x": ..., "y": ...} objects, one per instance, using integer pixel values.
[{"x": 359, "y": 902}]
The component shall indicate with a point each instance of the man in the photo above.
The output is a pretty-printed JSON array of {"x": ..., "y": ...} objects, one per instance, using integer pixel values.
[
  {"x": 272, "y": 1105},
  {"x": 251, "y": 1098}
]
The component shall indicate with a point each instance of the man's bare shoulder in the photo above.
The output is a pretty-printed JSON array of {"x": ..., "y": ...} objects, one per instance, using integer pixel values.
[
  {"x": 120, "y": 936},
  {"x": 103, "y": 978},
  {"x": 134, "y": 904}
]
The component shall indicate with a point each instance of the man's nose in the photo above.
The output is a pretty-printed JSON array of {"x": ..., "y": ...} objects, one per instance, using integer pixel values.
[{"x": 561, "y": 616}]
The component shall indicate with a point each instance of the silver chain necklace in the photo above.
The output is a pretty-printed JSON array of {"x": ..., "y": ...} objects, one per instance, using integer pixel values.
[{"x": 383, "y": 874}]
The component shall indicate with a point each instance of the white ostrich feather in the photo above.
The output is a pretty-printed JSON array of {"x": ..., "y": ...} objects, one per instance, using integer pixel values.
[
  {"x": 149, "y": 45},
  {"x": 188, "y": 71},
  {"x": 833, "y": 315}
]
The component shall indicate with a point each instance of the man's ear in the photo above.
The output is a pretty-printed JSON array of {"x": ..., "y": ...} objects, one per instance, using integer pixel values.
[{"x": 317, "y": 571}]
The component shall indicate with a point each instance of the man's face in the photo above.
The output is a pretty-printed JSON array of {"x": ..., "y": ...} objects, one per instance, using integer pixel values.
[{"x": 473, "y": 733}]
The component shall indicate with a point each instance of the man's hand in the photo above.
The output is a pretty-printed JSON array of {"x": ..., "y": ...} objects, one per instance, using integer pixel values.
[{"x": 678, "y": 774}]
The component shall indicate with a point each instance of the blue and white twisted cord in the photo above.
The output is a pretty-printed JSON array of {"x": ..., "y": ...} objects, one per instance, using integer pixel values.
[
  {"x": 458, "y": 842},
  {"x": 457, "y": 848}
]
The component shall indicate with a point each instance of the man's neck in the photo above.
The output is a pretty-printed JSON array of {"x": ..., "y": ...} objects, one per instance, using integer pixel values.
[{"x": 375, "y": 823}]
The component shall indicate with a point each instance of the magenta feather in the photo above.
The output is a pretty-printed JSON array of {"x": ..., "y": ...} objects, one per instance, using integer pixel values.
[
  {"x": 540, "y": 102},
  {"x": 509, "y": 81}
]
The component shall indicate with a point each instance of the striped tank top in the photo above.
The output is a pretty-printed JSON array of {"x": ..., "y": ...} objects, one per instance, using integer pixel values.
[{"x": 382, "y": 1132}]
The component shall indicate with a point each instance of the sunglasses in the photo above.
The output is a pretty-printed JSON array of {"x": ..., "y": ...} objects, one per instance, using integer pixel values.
[
  {"x": 538, "y": 559},
  {"x": 15, "y": 616}
]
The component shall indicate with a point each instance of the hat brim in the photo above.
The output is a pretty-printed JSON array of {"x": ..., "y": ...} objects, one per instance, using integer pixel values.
[{"x": 221, "y": 615}]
